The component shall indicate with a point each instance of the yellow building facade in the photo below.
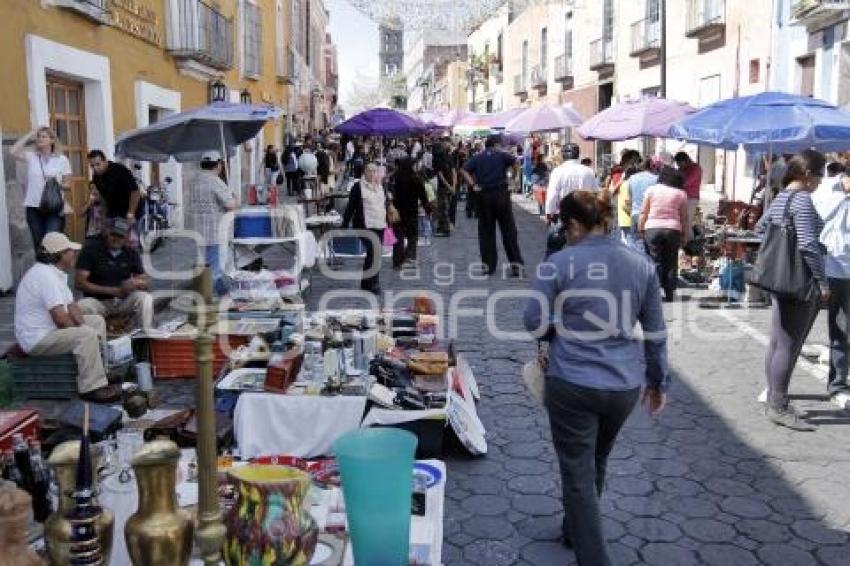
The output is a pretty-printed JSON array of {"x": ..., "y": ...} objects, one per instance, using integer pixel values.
[{"x": 93, "y": 69}]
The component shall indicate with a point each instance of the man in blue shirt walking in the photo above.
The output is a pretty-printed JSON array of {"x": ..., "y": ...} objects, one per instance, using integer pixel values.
[{"x": 487, "y": 173}]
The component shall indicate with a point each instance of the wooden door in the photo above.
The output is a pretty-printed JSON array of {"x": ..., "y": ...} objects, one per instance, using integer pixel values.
[{"x": 66, "y": 103}]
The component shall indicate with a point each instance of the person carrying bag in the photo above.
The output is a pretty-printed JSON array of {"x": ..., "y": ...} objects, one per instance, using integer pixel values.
[{"x": 790, "y": 266}]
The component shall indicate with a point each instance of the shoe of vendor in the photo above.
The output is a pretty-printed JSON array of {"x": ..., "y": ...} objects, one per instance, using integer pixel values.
[{"x": 105, "y": 394}]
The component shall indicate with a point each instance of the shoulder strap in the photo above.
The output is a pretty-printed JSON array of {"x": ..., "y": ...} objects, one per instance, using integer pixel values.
[{"x": 786, "y": 213}]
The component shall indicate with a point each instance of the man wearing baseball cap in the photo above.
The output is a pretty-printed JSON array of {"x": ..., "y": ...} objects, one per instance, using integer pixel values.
[
  {"x": 208, "y": 199},
  {"x": 48, "y": 322},
  {"x": 110, "y": 275}
]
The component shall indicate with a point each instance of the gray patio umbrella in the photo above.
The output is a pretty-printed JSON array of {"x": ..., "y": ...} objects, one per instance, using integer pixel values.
[{"x": 187, "y": 135}]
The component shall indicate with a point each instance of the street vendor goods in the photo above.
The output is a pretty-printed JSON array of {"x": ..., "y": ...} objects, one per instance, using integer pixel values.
[
  {"x": 14, "y": 512},
  {"x": 269, "y": 524},
  {"x": 57, "y": 529},
  {"x": 158, "y": 534}
]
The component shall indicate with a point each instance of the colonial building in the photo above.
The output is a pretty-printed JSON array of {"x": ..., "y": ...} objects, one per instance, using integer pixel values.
[
  {"x": 426, "y": 56},
  {"x": 92, "y": 69}
]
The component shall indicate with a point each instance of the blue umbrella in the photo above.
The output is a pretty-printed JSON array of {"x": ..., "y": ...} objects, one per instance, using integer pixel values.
[
  {"x": 767, "y": 122},
  {"x": 187, "y": 135},
  {"x": 382, "y": 122}
]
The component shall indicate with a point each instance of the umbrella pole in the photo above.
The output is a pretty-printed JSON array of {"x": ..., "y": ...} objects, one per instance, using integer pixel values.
[
  {"x": 224, "y": 155},
  {"x": 769, "y": 166}
]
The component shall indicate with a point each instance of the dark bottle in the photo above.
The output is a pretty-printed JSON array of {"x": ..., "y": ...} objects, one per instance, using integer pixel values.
[
  {"x": 40, "y": 484},
  {"x": 10, "y": 470},
  {"x": 22, "y": 460}
]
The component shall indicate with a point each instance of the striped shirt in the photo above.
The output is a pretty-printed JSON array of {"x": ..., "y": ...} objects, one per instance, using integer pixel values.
[{"x": 808, "y": 225}]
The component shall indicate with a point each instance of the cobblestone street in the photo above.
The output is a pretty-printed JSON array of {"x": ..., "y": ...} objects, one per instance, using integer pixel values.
[{"x": 709, "y": 482}]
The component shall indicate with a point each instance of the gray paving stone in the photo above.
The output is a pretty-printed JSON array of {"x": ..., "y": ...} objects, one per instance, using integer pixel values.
[
  {"x": 531, "y": 449},
  {"x": 532, "y": 485},
  {"x": 622, "y": 555},
  {"x": 487, "y": 505},
  {"x": 479, "y": 485},
  {"x": 537, "y": 505},
  {"x": 528, "y": 467},
  {"x": 490, "y": 553},
  {"x": 707, "y": 530},
  {"x": 632, "y": 541},
  {"x": 726, "y": 555},
  {"x": 762, "y": 530},
  {"x": 725, "y": 486},
  {"x": 543, "y": 553},
  {"x": 691, "y": 506},
  {"x": 833, "y": 555},
  {"x": 629, "y": 486},
  {"x": 784, "y": 555},
  {"x": 653, "y": 530},
  {"x": 492, "y": 528},
  {"x": 745, "y": 508},
  {"x": 640, "y": 506},
  {"x": 679, "y": 486},
  {"x": 815, "y": 531},
  {"x": 667, "y": 554}
]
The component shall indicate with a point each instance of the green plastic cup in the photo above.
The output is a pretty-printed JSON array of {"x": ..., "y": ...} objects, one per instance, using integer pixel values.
[{"x": 376, "y": 466}]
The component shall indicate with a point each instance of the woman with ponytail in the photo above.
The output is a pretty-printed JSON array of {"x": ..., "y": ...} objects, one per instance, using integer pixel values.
[{"x": 587, "y": 300}]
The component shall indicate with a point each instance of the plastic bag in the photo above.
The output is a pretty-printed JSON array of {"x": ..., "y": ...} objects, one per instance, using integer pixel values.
[{"x": 389, "y": 237}]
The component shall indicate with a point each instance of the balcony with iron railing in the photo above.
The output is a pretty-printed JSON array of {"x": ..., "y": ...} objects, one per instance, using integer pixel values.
[
  {"x": 539, "y": 77},
  {"x": 286, "y": 69},
  {"x": 200, "y": 33},
  {"x": 602, "y": 55},
  {"x": 646, "y": 38},
  {"x": 816, "y": 13},
  {"x": 564, "y": 68},
  {"x": 520, "y": 86},
  {"x": 705, "y": 18},
  {"x": 96, "y": 10}
]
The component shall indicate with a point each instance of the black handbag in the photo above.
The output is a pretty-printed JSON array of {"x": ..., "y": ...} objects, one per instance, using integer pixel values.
[
  {"x": 780, "y": 268},
  {"x": 51, "y": 202}
]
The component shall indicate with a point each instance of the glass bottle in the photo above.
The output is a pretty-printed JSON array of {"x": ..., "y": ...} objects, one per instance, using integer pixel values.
[
  {"x": 22, "y": 460},
  {"x": 41, "y": 507}
]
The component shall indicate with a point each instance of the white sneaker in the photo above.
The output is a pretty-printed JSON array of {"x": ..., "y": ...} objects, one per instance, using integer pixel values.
[
  {"x": 762, "y": 398},
  {"x": 841, "y": 399}
]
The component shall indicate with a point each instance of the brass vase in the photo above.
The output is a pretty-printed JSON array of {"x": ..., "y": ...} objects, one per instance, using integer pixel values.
[
  {"x": 270, "y": 523},
  {"x": 57, "y": 528},
  {"x": 158, "y": 534}
]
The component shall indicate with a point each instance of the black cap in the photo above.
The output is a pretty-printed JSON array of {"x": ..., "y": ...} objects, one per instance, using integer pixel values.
[
  {"x": 119, "y": 227},
  {"x": 571, "y": 151}
]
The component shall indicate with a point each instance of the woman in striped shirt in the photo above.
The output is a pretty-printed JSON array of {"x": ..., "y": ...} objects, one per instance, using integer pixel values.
[{"x": 792, "y": 320}]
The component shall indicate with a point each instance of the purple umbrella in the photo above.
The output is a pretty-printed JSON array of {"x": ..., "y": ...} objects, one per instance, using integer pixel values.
[
  {"x": 382, "y": 122},
  {"x": 545, "y": 118},
  {"x": 500, "y": 119},
  {"x": 648, "y": 116}
]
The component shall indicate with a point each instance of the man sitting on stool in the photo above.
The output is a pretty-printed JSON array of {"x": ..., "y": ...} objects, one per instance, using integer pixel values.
[
  {"x": 48, "y": 322},
  {"x": 110, "y": 275}
]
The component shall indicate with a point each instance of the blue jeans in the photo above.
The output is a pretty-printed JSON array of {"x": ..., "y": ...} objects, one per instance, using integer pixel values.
[
  {"x": 212, "y": 255},
  {"x": 839, "y": 330},
  {"x": 41, "y": 224}
]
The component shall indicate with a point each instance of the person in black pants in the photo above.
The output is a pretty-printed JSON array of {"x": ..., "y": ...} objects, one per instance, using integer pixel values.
[
  {"x": 487, "y": 173},
  {"x": 408, "y": 194},
  {"x": 590, "y": 389},
  {"x": 367, "y": 211}
]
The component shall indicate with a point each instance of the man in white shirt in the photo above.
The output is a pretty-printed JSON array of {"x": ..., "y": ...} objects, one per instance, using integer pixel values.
[
  {"x": 568, "y": 177},
  {"x": 48, "y": 322}
]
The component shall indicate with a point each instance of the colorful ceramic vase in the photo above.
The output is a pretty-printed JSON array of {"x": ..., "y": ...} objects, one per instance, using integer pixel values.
[
  {"x": 269, "y": 524},
  {"x": 158, "y": 534}
]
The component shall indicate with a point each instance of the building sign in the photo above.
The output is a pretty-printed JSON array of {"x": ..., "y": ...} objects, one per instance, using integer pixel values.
[{"x": 137, "y": 19}]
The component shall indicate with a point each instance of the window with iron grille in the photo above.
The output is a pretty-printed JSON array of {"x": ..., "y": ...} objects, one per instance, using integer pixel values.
[{"x": 252, "y": 39}]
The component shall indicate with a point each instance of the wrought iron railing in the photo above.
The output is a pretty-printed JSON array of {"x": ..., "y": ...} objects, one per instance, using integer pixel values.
[
  {"x": 704, "y": 14},
  {"x": 520, "y": 86},
  {"x": 202, "y": 33},
  {"x": 646, "y": 35},
  {"x": 601, "y": 53}
]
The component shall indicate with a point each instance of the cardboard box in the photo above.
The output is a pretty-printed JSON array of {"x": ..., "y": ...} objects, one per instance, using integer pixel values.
[{"x": 23, "y": 421}]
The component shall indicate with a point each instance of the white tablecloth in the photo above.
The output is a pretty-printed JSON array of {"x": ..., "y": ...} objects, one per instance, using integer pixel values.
[{"x": 296, "y": 425}]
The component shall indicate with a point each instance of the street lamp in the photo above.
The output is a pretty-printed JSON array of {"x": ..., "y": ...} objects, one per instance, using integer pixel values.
[
  {"x": 245, "y": 96},
  {"x": 217, "y": 91}
]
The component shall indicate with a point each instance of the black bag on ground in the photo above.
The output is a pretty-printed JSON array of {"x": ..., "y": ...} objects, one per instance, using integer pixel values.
[{"x": 780, "y": 268}]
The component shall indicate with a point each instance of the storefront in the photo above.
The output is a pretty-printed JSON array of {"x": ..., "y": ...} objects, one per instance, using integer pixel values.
[{"x": 94, "y": 69}]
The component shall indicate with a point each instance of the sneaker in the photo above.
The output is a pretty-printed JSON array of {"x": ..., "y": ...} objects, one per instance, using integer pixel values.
[
  {"x": 789, "y": 418},
  {"x": 518, "y": 271},
  {"x": 841, "y": 398},
  {"x": 762, "y": 398}
]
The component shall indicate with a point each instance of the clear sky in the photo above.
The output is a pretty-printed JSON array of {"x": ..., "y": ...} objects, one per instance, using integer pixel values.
[{"x": 356, "y": 38}]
